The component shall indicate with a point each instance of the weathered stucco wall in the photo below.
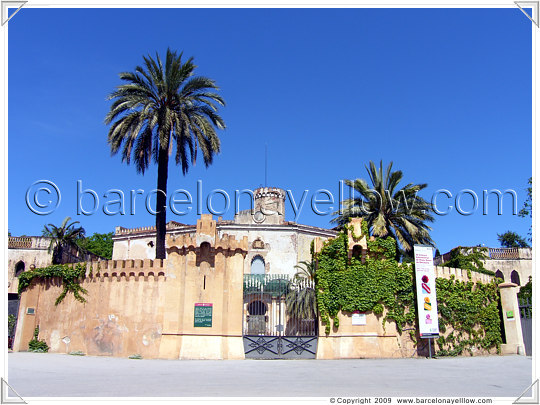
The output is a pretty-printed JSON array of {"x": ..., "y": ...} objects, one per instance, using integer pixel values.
[
  {"x": 522, "y": 266},
  {"x": 279, "y": 252},
  {"x": 122, "y": 316},
  {"x": 206, "y": 274},
  {"x": 135, "y": 248},
  {"x": 27, "y": 252},
  {"x": 281, "y": 246},
  {"x": 147, "y": 307},
  {"x": 371, "y": 340},
  {"x": 38, "y": 258},
  {"x": 461, "y": 275}
]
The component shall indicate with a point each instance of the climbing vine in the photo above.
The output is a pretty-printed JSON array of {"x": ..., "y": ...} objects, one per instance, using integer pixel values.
[
  {"x": 468, "y": 316},
  {"x": 349, "y": 285},
  {"x": 468, "y": 312},
  {"x": 525, "y": 292},
  {"x": 70, "y": 277},
  {"x": 470, "y": 259}
]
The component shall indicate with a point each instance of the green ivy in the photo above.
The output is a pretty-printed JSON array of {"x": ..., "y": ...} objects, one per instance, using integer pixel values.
[
  {"x": 12, "y": 320},
  {"x": 36, "y": 345},
  {"x": 350, "y": 285},
  {"x": 469, "y": 313},
  {"x": 470, "y": 259},
  {"x": 70, "y": 277},
  {"x": 525, "y": 292}
]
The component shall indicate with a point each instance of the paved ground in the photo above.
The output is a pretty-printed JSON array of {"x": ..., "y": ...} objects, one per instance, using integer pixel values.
[{"x": 59, "y": 375}]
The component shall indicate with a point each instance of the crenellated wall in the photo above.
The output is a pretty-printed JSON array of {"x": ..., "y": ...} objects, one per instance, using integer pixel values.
[
  {"x": 461, "y": 274},
  {"x": 121, "y": 316},
  {"x": 146, "y": 307}
]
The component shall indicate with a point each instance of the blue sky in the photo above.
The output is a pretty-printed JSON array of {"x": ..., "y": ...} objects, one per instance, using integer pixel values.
[{"x": 443, "y": 93}]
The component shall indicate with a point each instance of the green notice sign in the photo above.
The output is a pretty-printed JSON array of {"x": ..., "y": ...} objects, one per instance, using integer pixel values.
[{"x": 203, "y": 315}]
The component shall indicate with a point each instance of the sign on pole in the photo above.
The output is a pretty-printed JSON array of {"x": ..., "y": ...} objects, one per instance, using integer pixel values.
[{"x": 425, "y": 291}]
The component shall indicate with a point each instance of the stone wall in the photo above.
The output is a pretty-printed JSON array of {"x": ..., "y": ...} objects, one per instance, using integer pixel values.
[
  {"x": 122, "y": 315},
  {"x": 281, "y": 246},
  {"x": 523, "y": 267},
  {"x": 28, "y": 252},
  {"x": 372, "y": 340},
  {"x": 461, "y": 275},
  {"x": 504, "y": 260},
  {"x": 147, "y": 307}
]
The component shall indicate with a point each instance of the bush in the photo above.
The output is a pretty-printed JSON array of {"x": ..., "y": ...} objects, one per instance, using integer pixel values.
[{"x": 36, "y": 345}]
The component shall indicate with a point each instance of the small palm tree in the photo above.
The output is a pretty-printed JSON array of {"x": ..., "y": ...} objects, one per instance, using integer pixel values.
[
  {"x": 301, "y": 300},
  {"x": 306, "y": 271},
  {"x": 400, "y": 214},
  {"x": 158, "y": 107},
  {"x": 66, "y": 237}
]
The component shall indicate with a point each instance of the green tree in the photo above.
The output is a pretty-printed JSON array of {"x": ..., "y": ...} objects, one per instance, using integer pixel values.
[
  {"x": 159, "y": 107},
  {"x": 387, "y": 210},
  {"x": 306, "y": 271},
  {"x": 65, "y": 237},
  {"x": 526, "y": 211},
  {"x": 100, "y": 244},
  {"x": 301, "y": 299},
  {"x": 511, "y": 239}
]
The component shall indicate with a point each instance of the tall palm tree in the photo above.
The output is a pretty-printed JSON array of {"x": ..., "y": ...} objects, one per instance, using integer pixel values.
[
  {"x": 400, "y": 214},
  {"x": 159, "y": 107},
  {"x": 64, "y": 237}
]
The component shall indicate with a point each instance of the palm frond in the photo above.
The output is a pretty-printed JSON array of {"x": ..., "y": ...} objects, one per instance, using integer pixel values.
[{"x": 388, "y": 211}]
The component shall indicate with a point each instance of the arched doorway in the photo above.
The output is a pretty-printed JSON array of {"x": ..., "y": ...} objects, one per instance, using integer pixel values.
[
  {"x": 357, "y": 251},
  {"x": 499, "y": 274},
  {"x": 19, "y": 268},
  {"x": 514, "y": 277},
  {"x": 257, "y": 317}
]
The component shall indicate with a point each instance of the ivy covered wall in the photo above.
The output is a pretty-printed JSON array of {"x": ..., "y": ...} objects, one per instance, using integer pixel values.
[{"x": 468, "y": 312}]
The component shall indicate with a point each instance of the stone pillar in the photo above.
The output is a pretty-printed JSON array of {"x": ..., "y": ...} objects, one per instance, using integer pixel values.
[{"x": 511, "y": 319}]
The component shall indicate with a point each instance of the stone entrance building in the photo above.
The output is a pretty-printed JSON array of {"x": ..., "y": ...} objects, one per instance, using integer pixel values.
[{"x": 275, "y": 245}]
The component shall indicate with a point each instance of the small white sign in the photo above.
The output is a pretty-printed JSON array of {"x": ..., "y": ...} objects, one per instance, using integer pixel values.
[{"x": 358, "y": 318}]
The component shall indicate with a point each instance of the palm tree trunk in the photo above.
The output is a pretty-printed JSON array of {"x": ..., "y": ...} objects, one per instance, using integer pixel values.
[
  {"x": 161, "y": 202},
  {"x": 58, "y": 254}
]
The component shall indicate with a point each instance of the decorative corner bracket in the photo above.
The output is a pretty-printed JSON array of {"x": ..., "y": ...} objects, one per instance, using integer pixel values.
[
  {"x": 534, "y": 17},
  {"x": 534, "y": 391},
  {"x": 10, "y": 4},
  {"x": 4, "y": 391}
]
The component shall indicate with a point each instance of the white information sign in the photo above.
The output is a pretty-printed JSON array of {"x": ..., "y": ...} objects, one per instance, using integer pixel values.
[
  {"x": 358, "y": 318},
  {"x": 425, "y": 291}
]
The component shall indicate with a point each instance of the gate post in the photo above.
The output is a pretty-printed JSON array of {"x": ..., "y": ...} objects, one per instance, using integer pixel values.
[{"x": 511, "y": 319}]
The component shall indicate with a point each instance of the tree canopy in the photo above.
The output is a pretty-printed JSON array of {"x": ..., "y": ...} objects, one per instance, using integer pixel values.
[
  {"x": 160, "y": 106},
  {"x": 100, "y": 244},
  {"x": 389, "y": 211},
  {"x": 511, "y": 239},
  {"x": 63, "y": 238}
]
